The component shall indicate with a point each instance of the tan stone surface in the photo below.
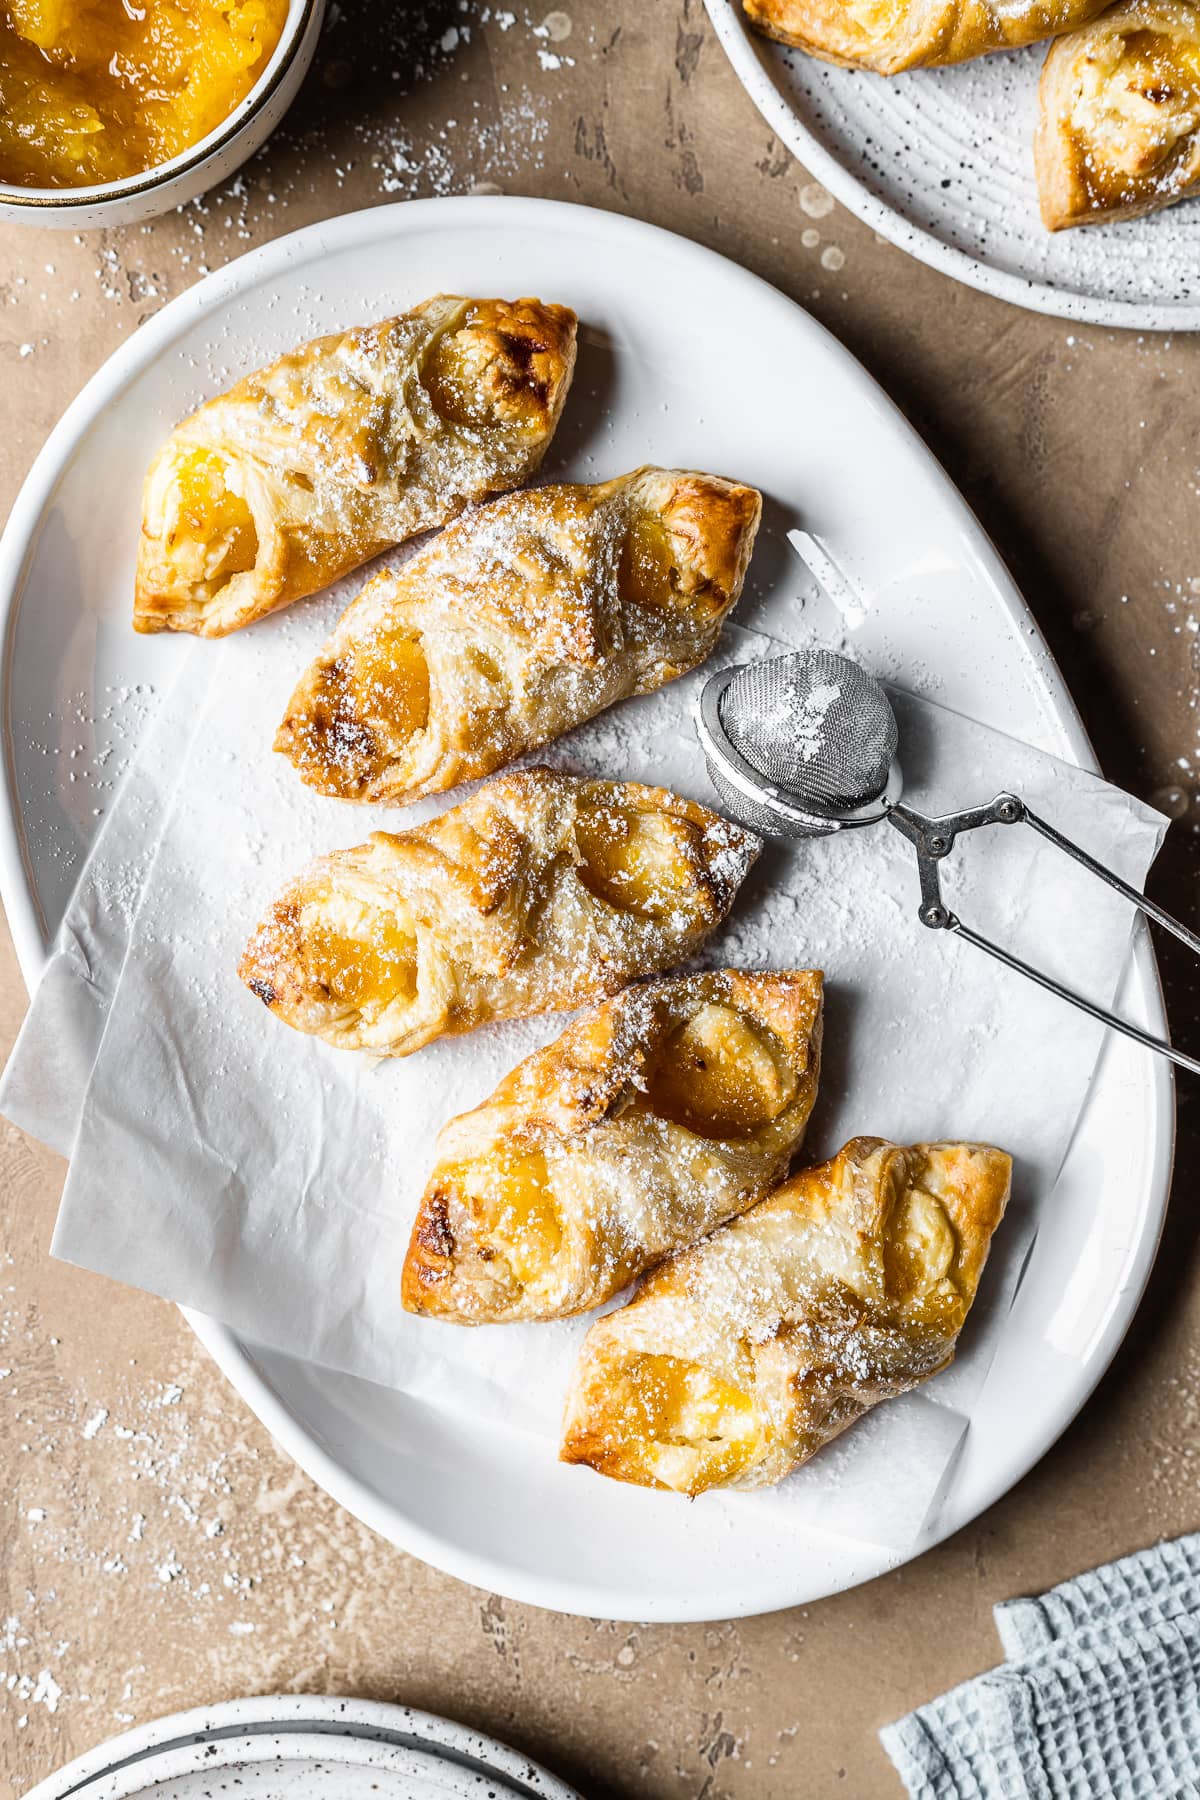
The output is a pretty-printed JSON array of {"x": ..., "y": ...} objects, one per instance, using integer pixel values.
[{"x": 158, "y": 1550}]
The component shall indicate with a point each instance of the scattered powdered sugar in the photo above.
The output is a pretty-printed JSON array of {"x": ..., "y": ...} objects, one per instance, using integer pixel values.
[
  {"x": 802, "y": 717},
  {"x": 729, "y": 851},
  {"x": 46, "y": 1691},
  {"x": 219, "y": 1536},
  {"x": 401, "y": 103},
  {"x": 1179, "y": 798}
]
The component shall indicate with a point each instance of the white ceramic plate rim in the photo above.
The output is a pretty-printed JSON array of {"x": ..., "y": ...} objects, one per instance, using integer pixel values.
[
  {"x": 748, "y": 59},
  {"x": 314, "y": 1721},
  {"x": 234, "y": 1358}
]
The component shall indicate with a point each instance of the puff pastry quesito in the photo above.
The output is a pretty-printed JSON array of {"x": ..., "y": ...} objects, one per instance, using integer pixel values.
[
  {"x": 741, "y": 1358},
  {"x": 651, "y": 1119},
  {"x": 1119, "y": 115},
  {"x": 889, "y": 36},
  {"x": 346, "y": 446},
  {"x": 519, "y": 621},
  {"x": 540, "y": 891}
]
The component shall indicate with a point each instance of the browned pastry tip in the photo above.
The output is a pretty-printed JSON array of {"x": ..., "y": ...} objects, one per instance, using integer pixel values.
[{"x": 886, "y": 37}]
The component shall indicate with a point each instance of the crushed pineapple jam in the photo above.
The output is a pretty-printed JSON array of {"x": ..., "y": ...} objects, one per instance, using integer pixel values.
[{"x": 94, "y": 90}]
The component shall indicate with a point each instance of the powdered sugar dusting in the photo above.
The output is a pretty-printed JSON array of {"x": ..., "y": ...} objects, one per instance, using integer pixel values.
[
  {"x": 563, "y": 626},
  {"x": 173, "y": 1513},
  {"x": 802, "y": 717},
  {"x": 597, "y": 1156},
  {"x": 847, "y": 904}
]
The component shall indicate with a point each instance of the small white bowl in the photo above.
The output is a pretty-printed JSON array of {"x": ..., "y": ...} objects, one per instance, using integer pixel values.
[{"x": 157, "y": 190}]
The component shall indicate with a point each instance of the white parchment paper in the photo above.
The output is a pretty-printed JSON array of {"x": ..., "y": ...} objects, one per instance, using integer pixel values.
[{"x": 264, "y": 1178}]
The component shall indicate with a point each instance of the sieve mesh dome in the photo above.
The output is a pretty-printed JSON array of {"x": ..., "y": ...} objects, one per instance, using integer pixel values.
[{"x": 812, "y": 724}]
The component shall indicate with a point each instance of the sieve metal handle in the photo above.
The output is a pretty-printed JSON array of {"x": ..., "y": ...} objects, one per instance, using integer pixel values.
[{"x": 933, "y": 840}]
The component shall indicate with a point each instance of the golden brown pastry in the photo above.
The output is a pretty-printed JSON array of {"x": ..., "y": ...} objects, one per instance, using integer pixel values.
[
  {"x": 344, "y": 447},
  {"x": 540, "y": 891},
  {"x": 1119, "y": 115},
  {"x": 519, "y": 621},
  {"x": 651, "y": 1119},
  {"x": 889, "y": 36},
  {"x": 743, "y": 1357}
]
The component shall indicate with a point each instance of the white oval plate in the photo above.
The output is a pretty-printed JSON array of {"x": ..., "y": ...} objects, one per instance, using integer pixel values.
[
  {"x": 685, "y": 359},
  {"x": 320, "y": 1747},
  {"x": 940, "y": 162}
]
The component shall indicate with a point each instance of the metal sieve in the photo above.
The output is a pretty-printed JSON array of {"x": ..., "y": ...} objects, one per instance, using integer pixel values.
[{"x": 805, "y": 744}]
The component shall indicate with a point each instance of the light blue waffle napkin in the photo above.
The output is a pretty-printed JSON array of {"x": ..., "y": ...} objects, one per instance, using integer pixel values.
[{"x": 1099, "y": 1698}]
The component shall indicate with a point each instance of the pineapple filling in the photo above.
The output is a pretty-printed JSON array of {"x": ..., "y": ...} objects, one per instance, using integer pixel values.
[
  {"x": 877, "y": 18},
  {"x": 720, "y": 1075},
  {"x": 693, "y": 1427},
  {"x": 920, "y": 1246},
  {"x": 364, "y": 956},
  {"x": 513, "y": 1207},
  {"x": 365, "y": 709},
  {"x": 91, "y": 91},
  {"x": 446, "y": 379},
  {"x": 646, "y": 576},
  {"x": 480, "y": 375},
  {"x": 1137, "y": 98},
  {"x": 212, "y": 534},
  {"x": 639, "y": 862},
  {"x": 391, "y": 677}
]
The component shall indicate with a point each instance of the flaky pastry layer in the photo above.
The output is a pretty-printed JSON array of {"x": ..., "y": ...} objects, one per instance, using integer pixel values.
[
  {"x": 308, "y": 468},
  {"x": 653, "y": 1118},
  {"x": 540, "y": 891},
  {"x": 522, "y": 619},
  {"x": 741, "y": 1358},
  {"x": 889, "y": 36}
]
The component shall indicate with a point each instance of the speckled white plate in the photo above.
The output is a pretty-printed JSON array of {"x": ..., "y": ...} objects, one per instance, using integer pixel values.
[
  {"x": 940, "y": 162},
  {"x": 295, "y": 1766},
  {"x": 684, "y": 359},
  {"x": 302, "y": 1747}
]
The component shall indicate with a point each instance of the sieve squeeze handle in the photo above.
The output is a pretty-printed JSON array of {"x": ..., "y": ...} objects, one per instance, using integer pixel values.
[{"x": 933, "y": 839}]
